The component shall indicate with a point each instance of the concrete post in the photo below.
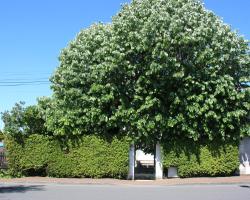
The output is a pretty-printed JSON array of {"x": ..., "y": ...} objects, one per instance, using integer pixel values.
[
  {"x": 244, "y": 156},
  {"x": 131, "y": 173},
  {"x": 158, "y": 162}
]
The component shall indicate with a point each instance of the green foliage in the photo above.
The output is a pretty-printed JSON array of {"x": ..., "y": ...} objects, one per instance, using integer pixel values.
[
  {"x": 62, "y": 164},
  {"x": 195, "y": 159},
  {"x": 13, "y": 120},
  {"x": 162, "y": 70},
  {"x": 23, "y": 121},
  {"x": 4, "y": 173},
  {"x": 93, "y": 157},
  {"x": 27, "y": 155},
  {"x": 14, "y": 155},
  {"x": 1, "y": 136},
  {"x": 90, "y": 157}
]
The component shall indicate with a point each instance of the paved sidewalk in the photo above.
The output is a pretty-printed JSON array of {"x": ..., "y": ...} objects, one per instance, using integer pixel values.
[{"x": 167, "y": 182}]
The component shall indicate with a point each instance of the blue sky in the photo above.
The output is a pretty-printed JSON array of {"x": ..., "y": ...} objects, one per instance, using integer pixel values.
[{"x": 32, "y": 34}]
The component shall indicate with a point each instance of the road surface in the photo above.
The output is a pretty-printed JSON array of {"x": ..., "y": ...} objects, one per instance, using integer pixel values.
[{"x": 123, "y": 192}]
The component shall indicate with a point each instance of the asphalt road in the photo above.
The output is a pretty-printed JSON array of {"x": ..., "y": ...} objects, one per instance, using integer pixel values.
[{"x": 109, "y": 192}]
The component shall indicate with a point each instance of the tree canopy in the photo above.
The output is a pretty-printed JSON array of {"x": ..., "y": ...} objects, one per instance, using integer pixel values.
[
  {"x": 21, "y": 121},
  {"x": 162, "y": 70}
]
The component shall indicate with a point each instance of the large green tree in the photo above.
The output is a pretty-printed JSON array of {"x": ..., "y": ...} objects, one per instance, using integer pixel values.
[{"x": 162, "y": 70}]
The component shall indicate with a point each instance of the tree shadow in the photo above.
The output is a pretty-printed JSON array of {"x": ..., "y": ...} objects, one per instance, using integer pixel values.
[
  {"x": 20, "y": 188},
  {"x": 245, "y": 186}
]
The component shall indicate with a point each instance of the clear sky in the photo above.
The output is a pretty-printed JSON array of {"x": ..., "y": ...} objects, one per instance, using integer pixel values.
[{"x": 32, "y": 34}]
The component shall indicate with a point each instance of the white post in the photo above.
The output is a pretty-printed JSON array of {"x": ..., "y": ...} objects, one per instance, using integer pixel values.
[
  {"x": 131, "y": 173},
  {"x": 244, "y": 156},
  {"x": 158, "y": 162}
]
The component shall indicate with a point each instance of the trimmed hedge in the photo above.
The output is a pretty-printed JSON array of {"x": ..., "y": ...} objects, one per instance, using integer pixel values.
[
  {"x": 30, "y": 156},
  {"x": 92, "y": 157},
  {"x": 96, "y": 157},
  {"x": 194, "y": 159}
]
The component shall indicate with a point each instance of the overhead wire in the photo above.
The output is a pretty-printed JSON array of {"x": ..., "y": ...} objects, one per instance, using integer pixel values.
[
  {"x": 22, "y": 84},
  {"x": 31, "y": 81},
  {"x": 12, "y": 82},
  {"x": 29, "y": 78},
  {"x": 22, "y": 79}
]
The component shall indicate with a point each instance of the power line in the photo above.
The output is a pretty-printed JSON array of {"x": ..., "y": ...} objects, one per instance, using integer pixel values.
[
  {"x": 24, "y": 79},
  {"x": 24, "y": 76},
  {"x": 15, "y": 79},
  {"x": 27, "y": 72},
  {"x": 24, "y": 84}
]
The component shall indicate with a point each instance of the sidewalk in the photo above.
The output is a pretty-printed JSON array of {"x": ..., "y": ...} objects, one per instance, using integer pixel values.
[{"x": 164, "y": 182}]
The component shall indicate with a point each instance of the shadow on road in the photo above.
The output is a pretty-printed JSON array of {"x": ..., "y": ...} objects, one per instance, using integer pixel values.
[
  {"x": 245, "y": 186},
  {"x": 20, "y": 188}
]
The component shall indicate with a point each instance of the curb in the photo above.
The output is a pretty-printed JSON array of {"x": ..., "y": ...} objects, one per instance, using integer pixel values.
[{"x": 114, "y": 182}]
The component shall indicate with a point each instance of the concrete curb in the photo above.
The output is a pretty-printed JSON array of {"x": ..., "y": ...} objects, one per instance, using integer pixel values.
[{"x": 114, "y": 182}]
